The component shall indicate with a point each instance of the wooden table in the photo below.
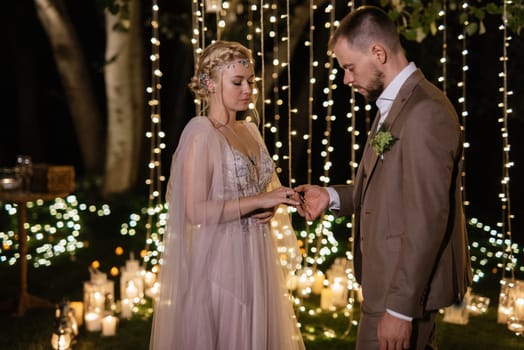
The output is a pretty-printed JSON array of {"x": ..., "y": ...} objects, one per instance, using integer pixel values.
[{"x": 20, "y": 198}]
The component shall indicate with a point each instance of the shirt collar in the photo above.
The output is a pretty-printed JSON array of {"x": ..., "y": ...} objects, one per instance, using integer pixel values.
[{"x": 386, "y": 98}]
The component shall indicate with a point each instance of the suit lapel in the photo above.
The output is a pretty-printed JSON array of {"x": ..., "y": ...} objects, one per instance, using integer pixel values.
[
  {"x": 402, "y": 97},
  {"x": 369, "y": 157}
]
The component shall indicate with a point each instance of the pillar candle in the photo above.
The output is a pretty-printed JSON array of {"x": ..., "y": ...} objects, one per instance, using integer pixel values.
[
  {"x": 326, "y": 298},
  {"x": 318, "y": 282},
  {"x": 125, "y": 308},
  {"x": 339, "y": 294},
  {"x": 93, "y": 322},
  {"x": 109, "y": 326},
  {"x": 131, "y": 291}
]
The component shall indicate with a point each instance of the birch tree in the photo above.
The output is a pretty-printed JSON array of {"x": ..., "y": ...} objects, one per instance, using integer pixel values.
[
  {"x": 74, "y": 75},
  {"x": 124, "y": 82}
]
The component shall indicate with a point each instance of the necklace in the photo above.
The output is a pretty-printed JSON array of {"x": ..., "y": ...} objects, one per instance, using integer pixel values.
[
  {"x": 219, "y": 125},
  {"x": 216, "y": 123}
]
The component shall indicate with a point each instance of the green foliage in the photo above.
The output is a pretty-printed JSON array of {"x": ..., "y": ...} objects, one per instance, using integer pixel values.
[{"x": 417, "y": 19}]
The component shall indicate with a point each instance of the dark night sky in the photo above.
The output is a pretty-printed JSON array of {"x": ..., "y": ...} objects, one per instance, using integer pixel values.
[{"x": 30, "y": 85}]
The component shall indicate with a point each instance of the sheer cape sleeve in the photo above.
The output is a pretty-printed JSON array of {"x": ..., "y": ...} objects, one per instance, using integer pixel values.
[{"x": 195, "y": 198}]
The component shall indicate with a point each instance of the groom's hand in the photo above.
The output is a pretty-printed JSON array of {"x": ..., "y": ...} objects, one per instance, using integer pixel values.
[{"x": 313, "y": 201}]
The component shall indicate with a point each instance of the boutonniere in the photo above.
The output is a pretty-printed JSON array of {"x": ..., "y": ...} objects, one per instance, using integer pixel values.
[{"x": 383, "y": 140}]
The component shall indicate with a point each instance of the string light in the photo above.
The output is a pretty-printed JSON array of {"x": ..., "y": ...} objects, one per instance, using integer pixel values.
[
  {"x": 289, "y": 106},
  {"x": 507, "y": 164},
  {"x": 197, "y": 20},
  {"x": 444, "y": 59},
  {"x": 274, "y": 126},
  {"x": 262, "y": 94},
  {"x": 156, "y": 210},
  {"x": 57, "y": 230},
  {"x": 462, "y": 100}
]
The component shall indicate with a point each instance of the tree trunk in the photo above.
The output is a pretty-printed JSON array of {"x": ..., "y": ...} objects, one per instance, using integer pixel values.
[
  {"x": 74, "y": 75},
  {"x": 124, "y": 81}
]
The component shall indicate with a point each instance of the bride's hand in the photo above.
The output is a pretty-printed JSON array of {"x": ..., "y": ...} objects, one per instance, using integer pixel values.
[
  {"x": 263, "y": 217},
  {"x": 281, "y": 195}
]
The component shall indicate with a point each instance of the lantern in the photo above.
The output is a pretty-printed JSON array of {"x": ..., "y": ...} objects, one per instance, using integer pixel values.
[
  {"x": 132, "y": 281},
  {"x": 457, "y": 313},
  {"x": 515, "y": 320},
  {"x": 65, "y": 327},
  {"x": 97, "y": 293},
  {"x": 60, "y": 340},
  {"x": 477, "y": 304},
  {"x": 337, "y": 276},
  {"x": 510, "y": 291}
]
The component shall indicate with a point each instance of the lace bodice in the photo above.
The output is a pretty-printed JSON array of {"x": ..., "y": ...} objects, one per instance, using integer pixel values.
[{"x": 246, "y": 175}]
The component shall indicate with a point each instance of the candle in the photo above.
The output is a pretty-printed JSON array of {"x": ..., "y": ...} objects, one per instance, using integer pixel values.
[
  {"x": 125, "y": 308},
  {"x": 98, "y": 300},
  {"x": 339, "y": 293},
  {"x": 153, "y": 291},
  {"x": 93, "y": 322},
  {"x": 78, "y": 308},
  {"x": 518, "y": 311},
  {"x": 61, "y": 341},
  {"x": 516, "y": 327},
  {"x": 503, "y": 314},
  {"x": 318, "y": 282},
  {"x": 326, "y": 299},
  {"x": 131, "y": 291},
  {"x": 109, "y": 326}
]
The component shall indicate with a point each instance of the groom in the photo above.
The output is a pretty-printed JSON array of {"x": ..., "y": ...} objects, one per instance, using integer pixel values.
[{"x": 410, "y": 243}]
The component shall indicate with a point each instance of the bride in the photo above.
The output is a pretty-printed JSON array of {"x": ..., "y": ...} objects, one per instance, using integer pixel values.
[{"x": 222, "y": 281}]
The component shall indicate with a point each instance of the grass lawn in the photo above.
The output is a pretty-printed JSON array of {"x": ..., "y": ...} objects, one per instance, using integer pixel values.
[{"x": 324, "y": 331}]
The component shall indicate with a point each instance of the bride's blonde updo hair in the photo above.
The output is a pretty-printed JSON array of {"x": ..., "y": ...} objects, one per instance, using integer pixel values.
[{"x": 215, "y": 56}]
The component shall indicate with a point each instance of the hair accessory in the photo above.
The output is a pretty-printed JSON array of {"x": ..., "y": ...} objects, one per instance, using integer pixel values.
[
  {"x": 204, "y": 78},
  {"x": 244, "y": 61}
]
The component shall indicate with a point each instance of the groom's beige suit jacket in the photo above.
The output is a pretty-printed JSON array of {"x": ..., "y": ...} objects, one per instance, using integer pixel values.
[{"x": 409, "y": 239}]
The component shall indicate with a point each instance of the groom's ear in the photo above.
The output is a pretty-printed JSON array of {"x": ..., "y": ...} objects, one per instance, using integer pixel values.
[{"x": 380, "y": 53}]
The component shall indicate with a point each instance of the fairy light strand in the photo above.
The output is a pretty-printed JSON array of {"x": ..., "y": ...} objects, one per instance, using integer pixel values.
[
  {"x": 311, "y": 85},
  {"x": 195, "y": 40},
  {"x": 250, "y": 24},
  {"x": 289, "y": 105},
  {"x": 154, "y": 224},
  {"x": 262, "y": 91},
  {"x": 504, "y": 195},
  {"x": 444, "y": 59},
  {"x": 328, "y": 104},
  {"x": 462, "y": 84},
  {"x": 274, "y": 127}
]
